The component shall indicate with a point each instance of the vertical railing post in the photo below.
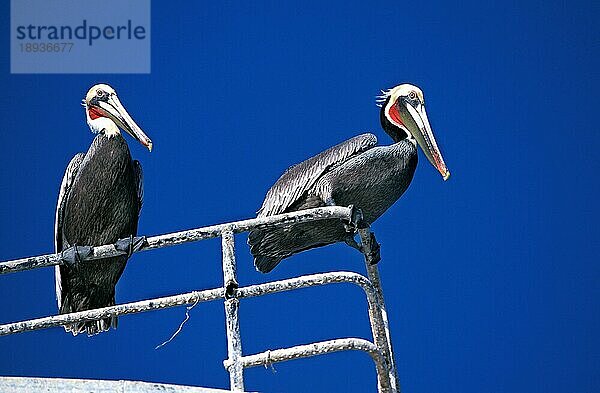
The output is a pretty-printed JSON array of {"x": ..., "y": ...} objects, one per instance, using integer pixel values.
[
  {"x": 378, "y": 316},
  {"x": 232, "y": 305}
]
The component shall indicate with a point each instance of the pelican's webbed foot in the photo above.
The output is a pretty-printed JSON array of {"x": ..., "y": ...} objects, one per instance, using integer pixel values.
[
  {"x": 72, "y": 256},
  {"x": 349, "y": 240},
  {"x": 356, "y": 222},
  {"x": 131, "y": 244},
  {"x": 372, "y": 251},
  {"x": 373, "y": 254}
]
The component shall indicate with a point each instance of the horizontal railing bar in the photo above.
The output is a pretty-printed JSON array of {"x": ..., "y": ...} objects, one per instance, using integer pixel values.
[
  {"x": 191, "y": 235},
  {"x": 60, "y": 385},
  {"x": 105, "y": 312},
  {"x": 319, "y": 348},
  {"x": 303, "y": 351},
  {"x": 188, "y": 298},
  {"x": 306, "y": 281}
]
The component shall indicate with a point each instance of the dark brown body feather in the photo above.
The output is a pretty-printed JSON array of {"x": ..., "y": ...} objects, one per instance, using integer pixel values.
[
  {"x": 100, "y": 206},
  {"x": 355, "y": 172}
]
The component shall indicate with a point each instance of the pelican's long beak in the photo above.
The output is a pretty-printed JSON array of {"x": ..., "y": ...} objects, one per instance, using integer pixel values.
[
  {"x": 421, "y": 130},
  {"x": 113, "y": 108}
]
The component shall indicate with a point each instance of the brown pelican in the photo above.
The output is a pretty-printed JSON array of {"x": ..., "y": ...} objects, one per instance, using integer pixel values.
[
  {"x": 99, "y": 203},
  {"x": 356, "y": 172}
]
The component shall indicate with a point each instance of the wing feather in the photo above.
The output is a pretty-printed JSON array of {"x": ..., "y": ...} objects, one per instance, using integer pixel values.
[
  {"x": 139, "y": 180},
  {"x": 63, "y": 194},
  {"x": 299, "y": 178}
]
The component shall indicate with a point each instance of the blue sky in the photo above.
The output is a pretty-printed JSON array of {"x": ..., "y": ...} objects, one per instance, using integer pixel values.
[{"x": 491, "y": 278}]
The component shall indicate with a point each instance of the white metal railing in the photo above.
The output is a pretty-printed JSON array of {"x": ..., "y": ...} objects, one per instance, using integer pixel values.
[{"x": 380, "y": 349}]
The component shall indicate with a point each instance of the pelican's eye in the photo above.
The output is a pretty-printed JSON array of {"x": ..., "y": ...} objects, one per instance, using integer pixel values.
[
  {"x": 412, "y": 95},
  {"x": 100, "y": 93}
]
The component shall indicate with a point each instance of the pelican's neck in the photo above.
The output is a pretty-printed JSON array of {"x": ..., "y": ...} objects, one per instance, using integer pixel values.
[
  {"x": 396, "y": 133},
  {"x": 102, "y": 125}
]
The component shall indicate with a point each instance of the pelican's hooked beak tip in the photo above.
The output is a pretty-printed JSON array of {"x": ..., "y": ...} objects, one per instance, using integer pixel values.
[
  {"x": 149, "y": 146},
  {"x": 446, "y": 176}
]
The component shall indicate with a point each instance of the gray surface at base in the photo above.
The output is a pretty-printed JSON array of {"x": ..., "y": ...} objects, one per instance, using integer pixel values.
[{"x": 49, "y": 385}]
